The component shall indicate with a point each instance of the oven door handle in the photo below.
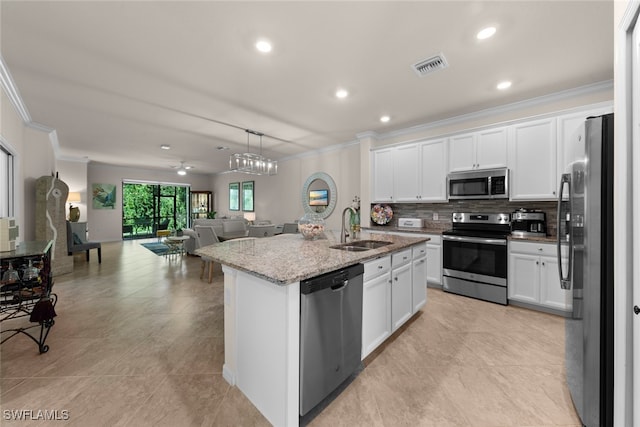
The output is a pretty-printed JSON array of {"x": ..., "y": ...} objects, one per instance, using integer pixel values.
[{"x": 501, "y": 242}]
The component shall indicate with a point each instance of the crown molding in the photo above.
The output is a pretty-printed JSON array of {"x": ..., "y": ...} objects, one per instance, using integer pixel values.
[
  {"x": 520, "y": 105},
  {"x": 10, "y": 88}
]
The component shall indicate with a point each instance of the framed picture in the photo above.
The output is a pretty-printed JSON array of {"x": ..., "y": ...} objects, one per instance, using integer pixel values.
[
  {"x": 234, "y": 196},
  {"x": 103, "y": 196},
  {"x": 247, "y": 196}
]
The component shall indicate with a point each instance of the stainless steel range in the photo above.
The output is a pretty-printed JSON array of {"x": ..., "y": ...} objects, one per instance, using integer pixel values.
[{"x": 475, "y": 256}]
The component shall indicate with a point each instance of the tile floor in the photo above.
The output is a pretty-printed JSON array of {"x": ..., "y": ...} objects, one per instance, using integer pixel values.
[{"x": 138, "y": 341}]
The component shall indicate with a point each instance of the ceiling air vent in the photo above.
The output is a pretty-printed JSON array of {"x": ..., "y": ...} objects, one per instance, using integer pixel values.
[{"x": 430, "y": 65}]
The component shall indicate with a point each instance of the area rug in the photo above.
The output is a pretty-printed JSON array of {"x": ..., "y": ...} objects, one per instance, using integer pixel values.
[{"x": 157, "y": 248}]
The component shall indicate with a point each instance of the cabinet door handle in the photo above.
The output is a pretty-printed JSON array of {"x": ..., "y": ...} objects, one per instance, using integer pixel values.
[
  {"x": 380, "y": 267},
  {"x": 395, "y": 278},
  {"x": 537, "y": 263},
  {"x": 543, "y": 263}
]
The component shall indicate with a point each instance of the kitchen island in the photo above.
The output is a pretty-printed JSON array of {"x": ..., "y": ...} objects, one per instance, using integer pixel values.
[{"x": 262, "y": 309}]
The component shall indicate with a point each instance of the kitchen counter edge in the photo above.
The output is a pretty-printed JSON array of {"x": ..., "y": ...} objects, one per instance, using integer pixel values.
[{"x": 288, "y": 258}]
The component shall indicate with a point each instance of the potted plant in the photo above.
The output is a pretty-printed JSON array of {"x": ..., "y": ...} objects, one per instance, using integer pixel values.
[
  {"x": 211, "y": 215},
  {"x": 179, "y": 232}
]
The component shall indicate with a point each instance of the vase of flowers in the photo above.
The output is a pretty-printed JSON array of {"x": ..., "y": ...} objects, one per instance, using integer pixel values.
[{"x": 355, "y": 217}]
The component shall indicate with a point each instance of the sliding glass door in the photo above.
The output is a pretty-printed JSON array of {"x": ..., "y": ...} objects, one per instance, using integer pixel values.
[{"x": 147, "y": 208}]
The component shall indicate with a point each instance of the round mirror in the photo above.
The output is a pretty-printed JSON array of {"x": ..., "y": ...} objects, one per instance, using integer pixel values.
[{"x": 319, "y": 195}]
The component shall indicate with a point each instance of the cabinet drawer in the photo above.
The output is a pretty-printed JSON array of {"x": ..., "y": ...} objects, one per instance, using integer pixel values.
[
  {"x": 376, "y": 267},
  {"x": 400, "y": 258},
  {"x": 419, "y": 251},
  {"x": 532, "y": 248}
]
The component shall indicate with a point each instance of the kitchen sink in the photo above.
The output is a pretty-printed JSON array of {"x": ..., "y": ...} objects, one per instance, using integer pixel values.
[{"x": 360, "y": 245}]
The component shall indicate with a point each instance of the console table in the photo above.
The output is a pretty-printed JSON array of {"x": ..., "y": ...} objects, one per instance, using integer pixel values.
[{"x": 25, "y": 290}]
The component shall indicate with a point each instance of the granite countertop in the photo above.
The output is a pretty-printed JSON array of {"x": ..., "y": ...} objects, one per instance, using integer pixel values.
[
  {"x": 288, "y": 258},
  {"x": 439, "y": 230},
  {"x": 422, "y": 230},
  {"x": 543, "y": 239}
]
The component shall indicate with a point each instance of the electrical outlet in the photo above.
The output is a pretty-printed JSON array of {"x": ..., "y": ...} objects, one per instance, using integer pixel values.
[{"x": 435, "y": 216}]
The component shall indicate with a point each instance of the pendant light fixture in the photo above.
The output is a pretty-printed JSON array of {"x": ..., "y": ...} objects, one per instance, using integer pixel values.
[{"x": 254, "y": 164}]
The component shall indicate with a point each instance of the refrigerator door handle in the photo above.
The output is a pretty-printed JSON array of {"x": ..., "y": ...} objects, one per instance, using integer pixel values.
[{"x": 565, "y": 280}]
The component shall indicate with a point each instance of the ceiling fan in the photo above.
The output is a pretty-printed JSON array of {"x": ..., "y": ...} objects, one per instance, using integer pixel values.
[{"x": 182, "y": 169}]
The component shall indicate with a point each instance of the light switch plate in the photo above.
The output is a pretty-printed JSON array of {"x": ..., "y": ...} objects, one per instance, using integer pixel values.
[{"x": 435, "y": 216}]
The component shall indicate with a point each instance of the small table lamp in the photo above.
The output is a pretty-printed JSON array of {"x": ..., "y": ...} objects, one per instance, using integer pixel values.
[
  {"x": 74, "y": 211},
  {"x": 250, "y": 216}
]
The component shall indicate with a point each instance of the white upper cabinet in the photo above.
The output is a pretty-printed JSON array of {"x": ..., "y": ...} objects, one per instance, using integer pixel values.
[
  {"x": 485, "y": 149},
  {"x": 433, "y": 186},
  {"x": 571, "y": 135},
  {"x": 406, "y": 173},
  {"x": 415, "y": 172},
  {"x": 491, "y": 148},
  {"x": 383, "y": 175},
  {"x": 532, "y": 160},
  {"x": 462, "y": 156}
]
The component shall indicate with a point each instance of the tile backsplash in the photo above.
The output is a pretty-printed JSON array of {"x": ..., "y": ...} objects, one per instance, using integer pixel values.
[{"x": 444, "y": 211}]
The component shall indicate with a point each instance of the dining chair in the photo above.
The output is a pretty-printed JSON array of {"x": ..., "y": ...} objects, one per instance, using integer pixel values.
[
  {"x": 262, "y": 230},
  {"x": 289, "y": 227},
  {"x": 205, "y": 236}
]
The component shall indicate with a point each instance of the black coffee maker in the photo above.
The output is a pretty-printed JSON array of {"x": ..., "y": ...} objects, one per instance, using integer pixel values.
[{"x": 528, "y": 222}]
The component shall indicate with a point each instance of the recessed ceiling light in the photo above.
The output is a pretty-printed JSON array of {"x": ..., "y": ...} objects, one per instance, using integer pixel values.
[
  {"x": 264, "y": 46},
  {"x": 341, "y": 93},
  {"x": 485, "y": 33},
  {"x": 385, "y": 119},
  {"x": 165, "y": 147},
  {"x": 504, "y": 85}
]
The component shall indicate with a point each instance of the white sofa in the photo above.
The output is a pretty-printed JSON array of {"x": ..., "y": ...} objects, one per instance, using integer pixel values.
[{"x": 225, "y": 228}]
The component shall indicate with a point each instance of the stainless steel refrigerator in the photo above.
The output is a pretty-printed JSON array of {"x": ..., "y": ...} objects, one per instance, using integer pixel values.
[{"x": 585, "y": 230}]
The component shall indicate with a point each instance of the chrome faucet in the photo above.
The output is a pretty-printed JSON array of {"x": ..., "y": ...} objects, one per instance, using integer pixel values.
[{"x": 344, "y": 233}]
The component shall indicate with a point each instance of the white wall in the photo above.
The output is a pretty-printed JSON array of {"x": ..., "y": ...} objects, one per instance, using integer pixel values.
[
  {"x": 74, "y": 174},
  {"x": 12, "y": 131},
  {"x": 34, "y": 166},
  {"x": 106, "y": 224},
  {"x": 626, "y": 234},
  {"x": 33, "y": 159},
  {"x": 278, "y": 198}
]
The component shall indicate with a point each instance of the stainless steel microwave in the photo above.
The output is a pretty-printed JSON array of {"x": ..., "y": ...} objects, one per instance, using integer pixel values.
[{"x": 479, "y": 184}]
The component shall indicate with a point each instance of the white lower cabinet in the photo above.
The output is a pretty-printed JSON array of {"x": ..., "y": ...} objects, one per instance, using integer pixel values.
[
  {"x": 419, "y": 280},
  {"x": 401, "y": 288},
  {"x": 434, "y": 259},
  {"x": 533, "y": 276},
  {"x": 394, "y": 289},
  {"x": 376, "y": 313}
]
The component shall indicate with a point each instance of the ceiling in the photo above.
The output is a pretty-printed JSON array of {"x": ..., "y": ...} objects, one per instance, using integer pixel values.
[{"x": 118, "y": 79}]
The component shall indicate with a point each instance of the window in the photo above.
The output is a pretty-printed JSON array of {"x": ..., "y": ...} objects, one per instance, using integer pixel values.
[
  {"x": 6, "y": 182},
  {"x": 234, "y": 196},
  {"x": 247, "y": 196},
  {"x": 149, "y": 207}
]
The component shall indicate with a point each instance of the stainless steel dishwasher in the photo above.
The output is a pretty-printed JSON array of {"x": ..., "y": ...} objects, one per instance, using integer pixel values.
[{"x": 330, "y": 332}]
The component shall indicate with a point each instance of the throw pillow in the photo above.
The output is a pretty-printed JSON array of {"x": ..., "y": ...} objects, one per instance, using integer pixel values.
[{"x": 76, "y": 239}]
